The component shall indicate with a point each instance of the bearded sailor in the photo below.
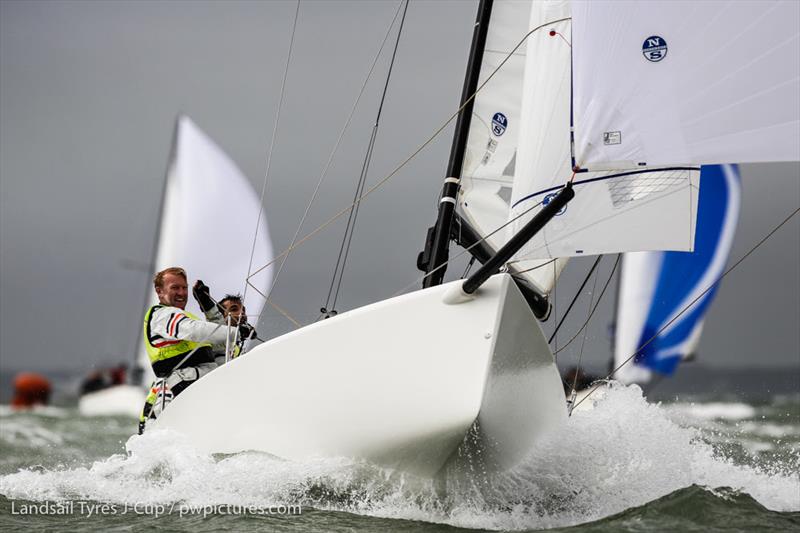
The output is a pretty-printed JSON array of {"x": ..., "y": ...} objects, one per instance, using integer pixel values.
[{"x": 229, "y": 311}]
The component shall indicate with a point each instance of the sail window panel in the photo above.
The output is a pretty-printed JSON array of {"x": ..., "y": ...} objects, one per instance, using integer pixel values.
[
  {"x": 726, "y": 88},
  {"x": 637, "y": 187}
]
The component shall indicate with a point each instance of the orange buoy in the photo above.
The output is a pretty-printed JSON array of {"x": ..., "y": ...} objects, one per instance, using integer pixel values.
[{"x": 30, "y": 389}]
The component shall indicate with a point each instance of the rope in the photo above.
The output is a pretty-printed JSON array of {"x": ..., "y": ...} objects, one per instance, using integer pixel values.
[
  {"x": 407, "y": 159},
  {"x": 271, "y": 149},
  {"x": 347, "y": 239},
  {"x": 285, "y": 255},
  {"x": 690, "y": 304},
  {"x": 277, "y": 307}
]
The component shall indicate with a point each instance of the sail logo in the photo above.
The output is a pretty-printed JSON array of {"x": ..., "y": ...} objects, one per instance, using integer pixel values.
[
  {"x": 499, "y": 124},
  {"x": 546, "y": 200},
  {"x": 654, "y": 48}
]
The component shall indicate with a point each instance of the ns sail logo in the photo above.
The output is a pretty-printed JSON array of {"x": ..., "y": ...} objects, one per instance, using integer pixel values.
[
  {"x": 654, "y": 48},
  {"x": 499, "y": 124}
]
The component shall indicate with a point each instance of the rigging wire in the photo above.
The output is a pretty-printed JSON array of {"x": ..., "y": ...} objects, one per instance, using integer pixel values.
[
  {"x": 599, "y": 300},
  {"x": 575, "y": 298},
  {"x": 285, "y": 254},
  {"x": 414, "y": 154},
  {"x": 269, "y": 153},
  {"x": 344, "y": 249},
  {"x": 574, "y": 390},
  {"x": 690, "y": 304}
]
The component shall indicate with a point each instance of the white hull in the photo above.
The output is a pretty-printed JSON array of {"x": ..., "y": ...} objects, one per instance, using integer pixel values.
[
  {"x": 398, "y": 383},
  {"x": 125, "y": 400}
]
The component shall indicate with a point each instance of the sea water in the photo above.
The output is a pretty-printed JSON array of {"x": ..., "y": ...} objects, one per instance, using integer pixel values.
[{"x": 625, "y": 465}]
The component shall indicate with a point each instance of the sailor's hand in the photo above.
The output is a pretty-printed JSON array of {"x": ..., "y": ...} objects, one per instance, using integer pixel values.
[
  {"x": 202, "y": 294},
  {"x": 246, "y": 331}
]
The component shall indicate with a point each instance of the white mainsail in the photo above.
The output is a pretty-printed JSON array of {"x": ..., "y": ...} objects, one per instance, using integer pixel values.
[
  {"x": 491, "y": 152},
  {"x": 682, "y": 82},
  {"x": 209, "y": 211},
  {"x": 498, "y": 134}
]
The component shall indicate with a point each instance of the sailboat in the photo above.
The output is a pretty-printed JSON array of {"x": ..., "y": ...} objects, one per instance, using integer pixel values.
[
  {"x": 202, "y": 185},
  {"x": 409, "y": 381},
  {"x": 663, "y": 297},
  {"x": 655, "y": 286}
]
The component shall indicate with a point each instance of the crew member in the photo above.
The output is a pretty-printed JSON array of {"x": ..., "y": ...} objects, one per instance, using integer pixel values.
[
  {"x": 179, "y": 345},
  {"x": 228, "y": 311}
]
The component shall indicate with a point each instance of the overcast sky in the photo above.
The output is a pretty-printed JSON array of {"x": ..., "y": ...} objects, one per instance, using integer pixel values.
[{"x": 88, "y": 95}]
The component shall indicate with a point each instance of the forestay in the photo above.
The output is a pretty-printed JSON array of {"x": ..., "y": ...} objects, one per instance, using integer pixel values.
[
  {"x": 208, "y": 209},
  {"x": 686, "y": 82},
  {"x": 656, "y": 286}
]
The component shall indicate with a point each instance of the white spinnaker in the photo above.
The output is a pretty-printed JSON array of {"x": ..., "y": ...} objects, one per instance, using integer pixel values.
[
  {"x": 686, "y": 82},
  {"x": 647, "y": 209},
  {"x": 209, "y": 212}
]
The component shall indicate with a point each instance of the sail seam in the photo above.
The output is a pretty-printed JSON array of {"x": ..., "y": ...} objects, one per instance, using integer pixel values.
[{"x": 601, "y": 178}]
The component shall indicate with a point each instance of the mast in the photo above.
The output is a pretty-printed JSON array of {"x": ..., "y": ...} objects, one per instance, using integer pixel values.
[
  {"x": 435, "y": 255},
  {"x": 138, "y": 372}
]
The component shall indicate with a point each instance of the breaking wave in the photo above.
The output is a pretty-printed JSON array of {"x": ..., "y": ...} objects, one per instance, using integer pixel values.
[{"x": 614, "y": 458}]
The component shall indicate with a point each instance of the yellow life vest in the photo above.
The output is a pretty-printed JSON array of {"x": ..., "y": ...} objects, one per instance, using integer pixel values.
[{"x": 167, "y": 349}]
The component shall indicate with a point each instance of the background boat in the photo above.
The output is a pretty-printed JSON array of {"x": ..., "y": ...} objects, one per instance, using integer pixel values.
[{"x": 207, "y": 204}]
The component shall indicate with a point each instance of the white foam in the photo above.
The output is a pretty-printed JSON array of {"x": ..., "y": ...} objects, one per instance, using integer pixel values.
[
  {"x": 623, "y": 453},
  {"x": 22, "y": 432},
  {"x": 37, "y": 410},
  {"x": 715, "y": 410}
]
